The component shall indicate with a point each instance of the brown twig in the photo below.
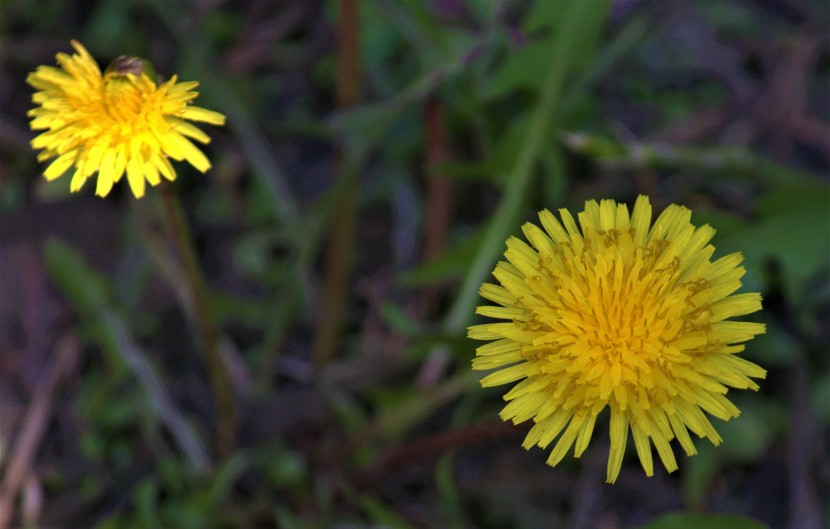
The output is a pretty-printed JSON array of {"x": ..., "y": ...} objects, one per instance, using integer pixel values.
[
  {"x": 34, "y": 425},
  {"x": 437, "y": 219},
  {"x": 438, "y": 193},
  {"x": 341, "y": 239},
  {"x": 439, "y": 187},
  {"x": 430, "y": 446}
]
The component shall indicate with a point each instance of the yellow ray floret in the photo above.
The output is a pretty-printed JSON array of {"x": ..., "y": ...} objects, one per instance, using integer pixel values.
[
  {"x": 612, "y": 310},
  {"x": 114, "y": 123}
]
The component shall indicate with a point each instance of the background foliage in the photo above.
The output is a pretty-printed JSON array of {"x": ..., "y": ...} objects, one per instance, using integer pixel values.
[{"x": 472, "y": 116}]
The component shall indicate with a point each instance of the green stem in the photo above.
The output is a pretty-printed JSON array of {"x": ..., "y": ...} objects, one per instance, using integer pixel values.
[
  {"x": 543, "y": 117},
  {"x": 209, "y": 333}
]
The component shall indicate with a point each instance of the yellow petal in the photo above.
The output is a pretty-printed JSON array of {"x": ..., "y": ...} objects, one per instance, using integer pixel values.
[
  {"x": 135, "y": 178},
  {"x": 193, "y": 155},
  {"x": 189, "y": 130},
  {"x": 203, "y": 115},
  {"x": 104, "y": 184},
  {"x": 78, "y": 180},
  {"x": 61, "y": 165},
  {"x": 619, "y": 438}
]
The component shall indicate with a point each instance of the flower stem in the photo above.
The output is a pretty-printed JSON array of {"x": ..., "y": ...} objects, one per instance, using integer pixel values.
[
  {"x": 206, "y": 326},
  {"x": 341, "y": 239}
]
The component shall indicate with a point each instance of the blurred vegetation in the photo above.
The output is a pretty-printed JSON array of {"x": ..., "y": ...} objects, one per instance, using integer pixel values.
[{"x": 474, "y": 114}]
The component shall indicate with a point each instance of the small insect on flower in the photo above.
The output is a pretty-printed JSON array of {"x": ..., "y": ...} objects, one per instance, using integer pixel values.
[
  {"x": 114, "y": 123},
  {"x": 617, "y": 313},
  {"x": 124, "y": 64}
]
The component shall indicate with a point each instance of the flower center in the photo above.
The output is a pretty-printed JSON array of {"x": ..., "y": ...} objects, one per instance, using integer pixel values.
[
  {"x": 614, "y": 316},
  {"x": 125, "y": 98}
]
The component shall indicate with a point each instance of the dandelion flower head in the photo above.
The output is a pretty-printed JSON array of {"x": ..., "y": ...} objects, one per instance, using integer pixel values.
[
  {"x": 616, "y": 312},
  {"x": 119, "y": 122}
]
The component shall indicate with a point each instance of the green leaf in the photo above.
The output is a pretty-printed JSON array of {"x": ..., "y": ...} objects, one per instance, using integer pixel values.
[
  {"x": 794, "y": 234},
  {"x": 745, "y": 439},
  {"x": 820, "y": 396},
  {"x": 726, "y": 224},
  {"x": 698, "y": 473},
  {"x": 284, "y": 517},
  {"x": 225, "y": 477},
  {"x": 554, "y": 17},
  {"x": 689, "y": 520},
  {"x": 450, "y": 265},
  {"x": 394, "y": 422},
  {"x": 524, "y": 67},
  {"x": 786, "y": 198},
  {"x": 398, "y": 320},
  {"x": 281, "y": 467},
  {"x": 521, "y": 69},
  {"x": 776, "y": 347},
  {"x": 381, "y": 515},
  {"x": 107, "y": 25},
  {"x": 554, "y": 175},
  {"x": 146, "y": 502},
  {"x": 451, "y": 499},
  {"x": 86, "y": 289},
  {"x": 504, "y": 155},
  {"x": 624, "y": 43}
]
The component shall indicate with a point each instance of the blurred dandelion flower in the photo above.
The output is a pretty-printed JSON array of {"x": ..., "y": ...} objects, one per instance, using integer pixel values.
[
  {"x": 116, "y": 122},
  {"x": 623, "y": 314}
]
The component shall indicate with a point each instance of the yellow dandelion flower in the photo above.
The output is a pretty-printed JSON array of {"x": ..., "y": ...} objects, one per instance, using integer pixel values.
[
  {"x": 116, "y": 122},
  {"x": 617, "y": 313}
]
